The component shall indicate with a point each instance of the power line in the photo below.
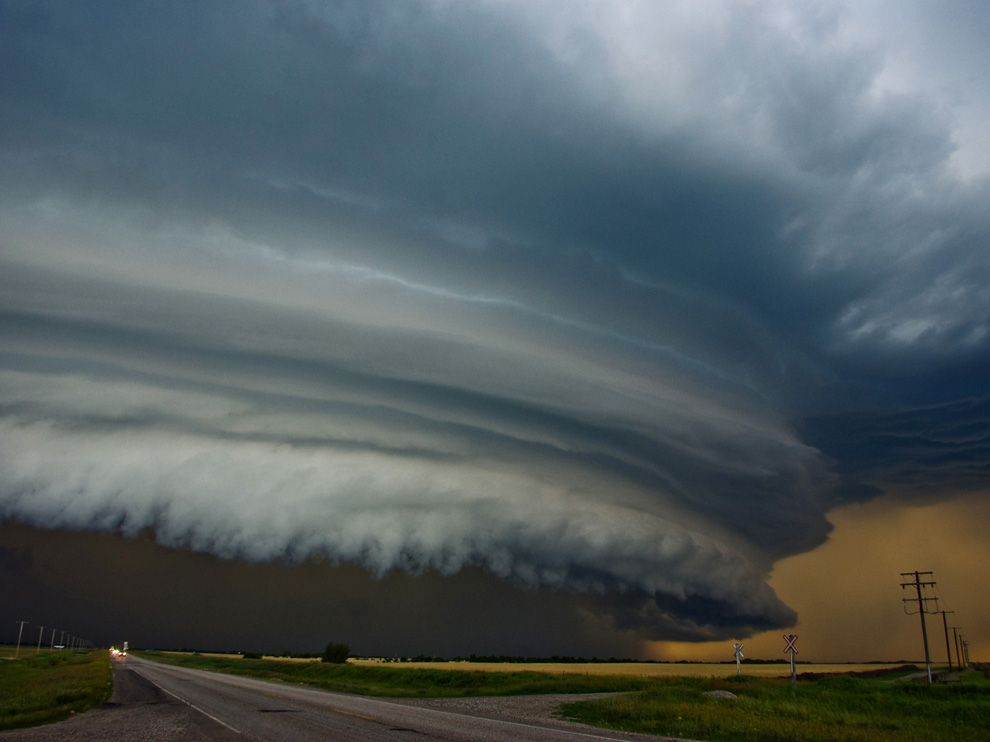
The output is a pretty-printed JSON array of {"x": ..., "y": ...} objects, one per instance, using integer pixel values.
[{"x": 922, "y": 600}]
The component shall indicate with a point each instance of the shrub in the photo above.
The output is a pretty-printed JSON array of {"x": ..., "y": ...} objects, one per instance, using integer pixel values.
[{"x": 335, "y": 652}]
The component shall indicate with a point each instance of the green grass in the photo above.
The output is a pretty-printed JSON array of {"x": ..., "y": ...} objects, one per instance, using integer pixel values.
[
  {"x": 840, "y": 709},
  {"x": 46, "y": 687},
  {"x": 405, "y": 682}
]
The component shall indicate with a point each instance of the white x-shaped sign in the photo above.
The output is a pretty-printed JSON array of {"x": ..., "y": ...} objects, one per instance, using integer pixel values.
[
  {"x": 790, "y": 639},
  {"x": 737, "y": 647}
]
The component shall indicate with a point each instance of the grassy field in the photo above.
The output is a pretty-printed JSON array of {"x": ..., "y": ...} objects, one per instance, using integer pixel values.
[
  {"x": 837, "y": 709},
  {"x": 631, "y": 669},
  {"x": 387, "y": 679},
  {"x": 45, "y": 687}
]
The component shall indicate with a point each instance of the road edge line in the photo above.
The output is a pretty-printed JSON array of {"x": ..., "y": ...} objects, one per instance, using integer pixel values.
[{"x": 192, "y": 705}]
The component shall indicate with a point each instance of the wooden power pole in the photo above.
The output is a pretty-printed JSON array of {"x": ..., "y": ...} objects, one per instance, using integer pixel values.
[{"x": 918, "y": 584}]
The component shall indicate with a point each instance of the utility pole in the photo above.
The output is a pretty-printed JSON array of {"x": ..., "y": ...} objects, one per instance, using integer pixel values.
[
  {"x": 40, "y": 632},
  {"x": 53, "y": 637},
  {"x": 20, "y": 631},
  {"x": 945, "y": 625},
  {"x": 965, "y": 643},
  {"x": 918, "y": 584},
  {"x": 955, "y": 640}
]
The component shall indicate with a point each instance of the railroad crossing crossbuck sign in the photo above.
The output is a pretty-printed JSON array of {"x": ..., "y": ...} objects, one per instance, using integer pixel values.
[
  {"x": 790, "y": 639},
  {"x": 737, "y": 648}
]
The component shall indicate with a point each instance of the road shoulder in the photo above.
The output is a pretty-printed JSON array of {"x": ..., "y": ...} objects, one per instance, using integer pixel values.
[{"x": 137, "y": 709}]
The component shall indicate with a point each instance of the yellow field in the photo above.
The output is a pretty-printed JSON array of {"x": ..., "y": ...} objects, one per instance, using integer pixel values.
[
  {"x": 638, "y": 669},
  {"x": 221, "y": 655},
  {"x": 635, "y": 669}
]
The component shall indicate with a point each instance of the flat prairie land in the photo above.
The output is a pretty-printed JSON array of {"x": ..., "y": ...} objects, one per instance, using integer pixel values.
[
  {"x": 830, "y": 709},
  {"x": 396, "y": 679},
  {"x": 42, "y": 687},
  {"x": 629, "y": 669},
  {"x": 217, "y": 655},
  {"x": 9, "y": 651}
]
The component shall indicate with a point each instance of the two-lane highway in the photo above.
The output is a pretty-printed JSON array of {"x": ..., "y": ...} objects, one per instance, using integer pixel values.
[
  {"x": 153, "y": 702},
  {"x": 247, "y": 708}
]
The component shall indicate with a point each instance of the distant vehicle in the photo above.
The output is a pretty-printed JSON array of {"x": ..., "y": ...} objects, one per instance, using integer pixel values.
[{"x": 114, "y": 652}]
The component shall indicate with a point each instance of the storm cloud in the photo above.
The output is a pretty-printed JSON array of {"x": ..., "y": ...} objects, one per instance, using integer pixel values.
[{"x": 593, "y": 298}]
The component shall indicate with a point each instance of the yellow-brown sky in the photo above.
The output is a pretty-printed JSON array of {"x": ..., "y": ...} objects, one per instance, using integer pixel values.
[{"x": 847, "y": 592}]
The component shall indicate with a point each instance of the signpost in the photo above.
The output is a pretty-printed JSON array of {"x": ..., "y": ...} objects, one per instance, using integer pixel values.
[
  {"x": 737, "y": 648},
  {"x": 791, "y": 640}
]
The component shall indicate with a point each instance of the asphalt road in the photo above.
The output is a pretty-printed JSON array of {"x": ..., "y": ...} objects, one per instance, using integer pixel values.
[
  {"x": 257, "y": 709},
  {"x": 152, "y": 701}
]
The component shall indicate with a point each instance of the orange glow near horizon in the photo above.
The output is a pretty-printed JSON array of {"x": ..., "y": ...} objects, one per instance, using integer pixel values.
[{"x": 847, "y": 591}]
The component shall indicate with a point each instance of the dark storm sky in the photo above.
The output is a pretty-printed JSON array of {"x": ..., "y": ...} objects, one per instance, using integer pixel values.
[{"x": 603, "y": 303}]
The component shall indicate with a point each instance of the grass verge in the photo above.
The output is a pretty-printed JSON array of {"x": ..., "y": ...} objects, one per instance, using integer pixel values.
[
  {"x": 840, "y": 709},
  {"x": 404, "y": 682},
  {"x": 41, "y": 688}
]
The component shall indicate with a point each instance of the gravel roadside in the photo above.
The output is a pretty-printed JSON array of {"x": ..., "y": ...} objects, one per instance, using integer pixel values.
[{"x": 137, "y": 710}]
